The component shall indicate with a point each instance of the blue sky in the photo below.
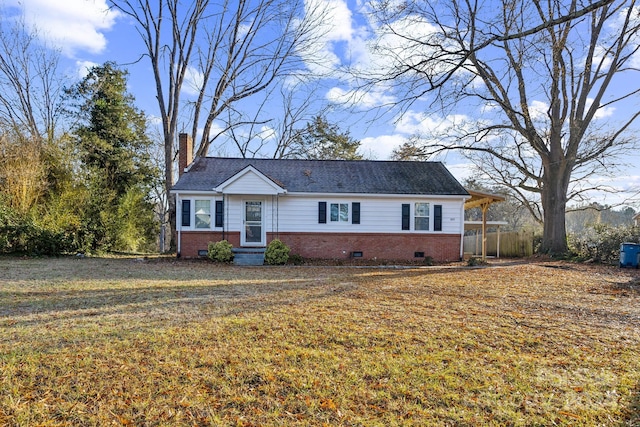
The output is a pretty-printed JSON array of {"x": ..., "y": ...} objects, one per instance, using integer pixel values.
[{"x": 87, "y": 33}]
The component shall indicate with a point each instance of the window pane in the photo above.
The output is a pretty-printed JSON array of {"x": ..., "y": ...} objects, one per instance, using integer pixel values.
[
  {"x": 253, "y": 233},
  {"x": 422, "y": 223},
  {"x": 422, "y": 209},
  {"x": 203, "y": 214},
  {"x": 344, "y": 212},
  {"x": 334, "y": 212},
  {"x": 421, "y": 216},
  {"x": 253, "y": 211}
]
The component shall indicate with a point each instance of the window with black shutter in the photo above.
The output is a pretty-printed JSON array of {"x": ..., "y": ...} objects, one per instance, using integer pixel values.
[
  {"x": 322, "y": 212},
  {"x": 186, "y": 213},
  {"x": 355, "y": 213},
  {"x": 219, "y": 213},
  {"x": 406, "y": 216},
  {"x": 437, "y": 217}
]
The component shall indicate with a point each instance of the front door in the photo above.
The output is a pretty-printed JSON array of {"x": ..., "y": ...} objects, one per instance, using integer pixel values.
[{"x": 253, "y": 231}]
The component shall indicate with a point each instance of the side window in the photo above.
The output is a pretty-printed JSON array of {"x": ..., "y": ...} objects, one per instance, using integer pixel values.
[
  {"x": 421, "y": 216},
  {"x": 186, "y": 213},
  {"x": 203, "y": 214},
  {"x": 437, "y": 217}
]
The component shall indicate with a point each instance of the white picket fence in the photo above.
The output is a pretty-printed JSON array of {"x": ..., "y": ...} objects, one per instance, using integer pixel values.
[{"x": 512, "y": 244}]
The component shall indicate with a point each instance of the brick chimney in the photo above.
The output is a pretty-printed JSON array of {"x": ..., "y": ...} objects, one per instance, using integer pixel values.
[{"x": 185, "y": 152}]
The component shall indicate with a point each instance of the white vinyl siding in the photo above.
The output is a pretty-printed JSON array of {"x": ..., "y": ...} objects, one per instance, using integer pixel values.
[
  {"x": 250, "y": 184},
  {"x": 299, "y": 213},
  {"x": 377, "y": 215}
]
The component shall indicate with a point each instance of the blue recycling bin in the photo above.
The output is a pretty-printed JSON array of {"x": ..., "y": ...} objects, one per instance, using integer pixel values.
[{"x": 629, "y": 255}]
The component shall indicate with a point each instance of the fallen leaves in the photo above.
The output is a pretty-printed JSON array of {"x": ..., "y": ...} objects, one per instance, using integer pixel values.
[{"x": 191, "y": 343}]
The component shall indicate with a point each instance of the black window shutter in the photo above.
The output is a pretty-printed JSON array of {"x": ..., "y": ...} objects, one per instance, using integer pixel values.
[
  {"x": 186, "y": 213},
  {"x": 219, "y": 213},
  {"x": 322, "y": 212},
  {"x": 437, "y": 217},
  {"x": 355, "y": 213},
  {"x": 406, "y": 216}
]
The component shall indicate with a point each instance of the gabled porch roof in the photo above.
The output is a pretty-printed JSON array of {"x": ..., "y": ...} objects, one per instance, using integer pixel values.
[{"x": 250, "y": 181}]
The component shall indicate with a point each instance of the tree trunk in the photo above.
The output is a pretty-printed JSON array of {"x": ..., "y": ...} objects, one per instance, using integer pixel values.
[
  {"x": 554, "y": 203},
  {"x": 168, "y": 183}
]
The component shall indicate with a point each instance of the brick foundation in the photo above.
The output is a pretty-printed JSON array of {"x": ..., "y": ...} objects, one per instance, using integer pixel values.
[
  {"x": 390, "y": 246},
  {"x": 441, "y": 247},
  {"x": 194, "y": 241}
]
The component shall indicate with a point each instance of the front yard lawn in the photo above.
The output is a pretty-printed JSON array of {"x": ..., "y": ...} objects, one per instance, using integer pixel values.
[{"x": 164, "y": 342}]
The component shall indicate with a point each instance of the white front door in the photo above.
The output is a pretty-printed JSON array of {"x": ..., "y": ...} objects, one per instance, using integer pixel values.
[{"x": 253, "y": 232}]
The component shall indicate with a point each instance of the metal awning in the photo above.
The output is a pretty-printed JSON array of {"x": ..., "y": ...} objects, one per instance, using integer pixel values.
[{"x": 483, "y": 201}]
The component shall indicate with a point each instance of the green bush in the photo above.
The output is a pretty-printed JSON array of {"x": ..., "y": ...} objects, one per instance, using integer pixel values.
[
  {"x": 220, "y": 251},
  {"x": 602, "y": 242},
  {"x": 19, "y": 234},
  {"x": 277, "y": 253}
]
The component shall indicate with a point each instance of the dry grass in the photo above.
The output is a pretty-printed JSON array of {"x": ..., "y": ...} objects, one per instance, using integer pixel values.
[{"x": 120, "y": 342}]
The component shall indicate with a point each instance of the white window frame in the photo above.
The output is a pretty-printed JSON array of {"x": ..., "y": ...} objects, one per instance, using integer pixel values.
[
  {"x": 196, "y": 215},
  {"x": 192, "y": 217},
  {"x": 416, "y": 216},
  {"x": 340, "y": 219}
]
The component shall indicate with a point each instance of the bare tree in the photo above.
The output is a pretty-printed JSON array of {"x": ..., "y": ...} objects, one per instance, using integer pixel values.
[
  {"x": 31, "y": 88},
  {"x": 289, "y": 107},
  {"x": 541, "y": 72},
  {"x": 223, "y": 52}
]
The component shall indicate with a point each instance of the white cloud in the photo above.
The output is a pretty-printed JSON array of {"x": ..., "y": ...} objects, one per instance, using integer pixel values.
[
  {"x": 538, "y": 110},
  {"x": 380, "y": 147},
  {"x": 267, "y": 133},
  {"x": 418, "y": 123},
  {"x": 602, "y": 112},
  {"x": 72, "y": 25},
  {"x": 400, "y": 43},
  {"x": 83, "y": 68},
  {"x": 334, "y": 28},
  {"x": 364, "y": 99},
  {"x": 193, "y": 81}
]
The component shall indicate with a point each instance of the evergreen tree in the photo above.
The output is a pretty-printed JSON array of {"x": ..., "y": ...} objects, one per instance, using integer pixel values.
[
  {"x": 322, "y": 140},
  {"x": 114, "y": 148}
]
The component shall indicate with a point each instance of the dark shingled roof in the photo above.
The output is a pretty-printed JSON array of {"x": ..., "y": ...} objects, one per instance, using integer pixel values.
[{"x": 328, "y": 176}]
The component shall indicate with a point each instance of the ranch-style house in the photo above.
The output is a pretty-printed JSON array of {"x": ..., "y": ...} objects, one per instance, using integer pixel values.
[{"x": 324, "y": 209}]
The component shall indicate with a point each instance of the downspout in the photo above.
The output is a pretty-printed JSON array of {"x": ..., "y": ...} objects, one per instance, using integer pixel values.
[
  {"x": 179, "y": 224},
  {"x": 462, "y": 231},
  {"x": 225, "y": 215}
]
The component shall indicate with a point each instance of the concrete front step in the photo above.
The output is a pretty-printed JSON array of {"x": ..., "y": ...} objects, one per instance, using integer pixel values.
[{"x": 248, "y": 256}]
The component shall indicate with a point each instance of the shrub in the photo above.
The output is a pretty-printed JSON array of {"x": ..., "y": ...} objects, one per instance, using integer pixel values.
[
  {"x": 602, "y": 242},
  {"x": 220, "y": 251},
  {"x": 277, "y": 253},
  {"x": 19, "y": 234}
]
